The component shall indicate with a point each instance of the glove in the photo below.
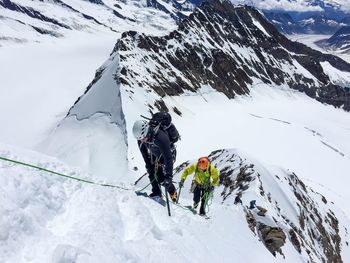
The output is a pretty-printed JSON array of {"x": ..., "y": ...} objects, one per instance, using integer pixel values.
[{"x": 181, "y": 183}]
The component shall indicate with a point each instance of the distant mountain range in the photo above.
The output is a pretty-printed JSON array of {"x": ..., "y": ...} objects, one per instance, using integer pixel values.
[
  {"x": 23, "y": 21},
  {"x": 304, "y": 17},
  {"x": 316, "y": 24},
  {"x": 339, "y": 41}
]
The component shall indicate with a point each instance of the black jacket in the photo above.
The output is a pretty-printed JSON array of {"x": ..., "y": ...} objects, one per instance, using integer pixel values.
[{"x": 157, "y": 149}]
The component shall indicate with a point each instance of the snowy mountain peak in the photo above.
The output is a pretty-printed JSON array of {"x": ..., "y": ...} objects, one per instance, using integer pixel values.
[
  {"x": 226, "y": 48},
  {"x": 340, "y": 40}
]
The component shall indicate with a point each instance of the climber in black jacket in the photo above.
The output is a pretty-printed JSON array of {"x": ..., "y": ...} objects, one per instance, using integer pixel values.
[{"x": 156, "y": 151}]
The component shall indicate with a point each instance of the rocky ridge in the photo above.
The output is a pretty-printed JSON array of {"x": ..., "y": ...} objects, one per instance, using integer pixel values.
[
  {"x": 230, "y": 49},
  {"x": 307, "y": 220}
]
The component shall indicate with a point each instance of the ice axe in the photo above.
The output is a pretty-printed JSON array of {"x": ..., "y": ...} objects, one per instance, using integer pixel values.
[{"x": 178, "y": 196}]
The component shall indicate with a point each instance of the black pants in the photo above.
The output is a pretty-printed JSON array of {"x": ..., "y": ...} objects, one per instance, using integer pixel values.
[
  {"x": 157, "y": 178},
  {"x": 198, "y": 194}
]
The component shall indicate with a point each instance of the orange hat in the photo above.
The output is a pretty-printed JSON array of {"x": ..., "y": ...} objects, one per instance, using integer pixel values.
[{"x": 203, "y": 163}]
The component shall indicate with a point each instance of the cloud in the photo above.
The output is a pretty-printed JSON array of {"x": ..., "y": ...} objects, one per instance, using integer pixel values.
[
  {"x": 343, "y": 5},
  {"x": 286, "y": 5}
]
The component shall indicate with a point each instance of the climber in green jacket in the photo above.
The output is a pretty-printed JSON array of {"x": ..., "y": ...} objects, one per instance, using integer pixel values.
[{"x": 205, "y": 179}]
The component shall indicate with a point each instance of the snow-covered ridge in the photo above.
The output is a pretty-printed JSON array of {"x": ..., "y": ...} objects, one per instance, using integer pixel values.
[
  {"x": 227, "y": 48},
  {"x": 305, "y": 216},
  {"x": 218, "y": 48},
  {"x": 52, "y": 219}
]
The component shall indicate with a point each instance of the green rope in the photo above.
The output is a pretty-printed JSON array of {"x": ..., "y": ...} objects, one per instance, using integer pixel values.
[
  {"x": 64, "y": 175},
  {"x": 155, "y": 178},
  {"x": 207, "y": 195},
  {"x": 146, "y": 185},
  {"x": 84, "y": 180}
]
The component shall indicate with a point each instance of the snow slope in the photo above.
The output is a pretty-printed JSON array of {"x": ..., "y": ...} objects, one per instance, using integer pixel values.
[
  {"x": 57, "y": 71},
  {"x": 51, "y": 219},
  {"x": 57, "y": 220},
  {"x": 61, "y": 220}
]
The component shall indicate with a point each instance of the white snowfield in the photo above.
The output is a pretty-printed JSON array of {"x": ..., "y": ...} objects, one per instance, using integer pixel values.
[
  {"x": 40, "y": 21},
  {"x": 47, "y": 218},
  {"x": 52, "y": 219}
]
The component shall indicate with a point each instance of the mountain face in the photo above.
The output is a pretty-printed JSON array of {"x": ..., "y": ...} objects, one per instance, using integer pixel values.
[
  {"x": 177, "y": 12},
  {"x": 229, "y": 49},
  {"x": 23, "y": 21},
  {"x": 340, "y": 40},
  {"x": 306, "y": 220}
]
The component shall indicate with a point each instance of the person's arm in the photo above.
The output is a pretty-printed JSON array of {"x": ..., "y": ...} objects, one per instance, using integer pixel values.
[
  {"x": 189, "y": 170},
  {"x": 146, "y": 157},
  {"x": 214, "y": 175}
]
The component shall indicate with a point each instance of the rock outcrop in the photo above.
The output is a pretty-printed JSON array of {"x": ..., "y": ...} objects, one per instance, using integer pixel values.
[{"x": 289, "y": 211}]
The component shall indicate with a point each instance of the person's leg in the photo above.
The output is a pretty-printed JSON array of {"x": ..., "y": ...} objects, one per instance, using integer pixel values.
[
  {"x": 196, "y": 196},
  {"x": 202, "y": 208},
  {"x": 154, "y": 178},
  {"x": 168, "y": 182}
]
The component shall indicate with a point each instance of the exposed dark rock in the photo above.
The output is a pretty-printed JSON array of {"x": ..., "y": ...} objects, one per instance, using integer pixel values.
[
  {"x": 161, "y": 106},
  {"x": 225, "y": 47},
  {"x": 178, "y": 16},
  {"x": 97, "y": 2},
  {"x": 324, "y": 200},
  {"x": 316, "y": 232},
  {"x": 274, "y": 238},
  {"x": 251, "y": 221},
  {"x": 294, "y": 239},
  {"x": 177, "y": 111},
  {"x": 262, "y": 211},
  {"x": 30, "y": 12},
  {"x": 46, "y": 32}
]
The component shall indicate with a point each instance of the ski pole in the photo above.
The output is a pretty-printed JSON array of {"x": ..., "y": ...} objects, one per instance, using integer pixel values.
[
  {"x": 138, "y": 180},
  {"x": 178, "y": 197},
  {"x": 167, "y": 200}
]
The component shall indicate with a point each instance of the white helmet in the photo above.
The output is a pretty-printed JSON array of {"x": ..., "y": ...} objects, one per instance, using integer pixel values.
[{"x": 140, "y": 129}]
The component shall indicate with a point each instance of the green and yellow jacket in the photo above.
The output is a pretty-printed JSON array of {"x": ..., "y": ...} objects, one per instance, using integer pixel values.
[{"x": 202, "y": 177}]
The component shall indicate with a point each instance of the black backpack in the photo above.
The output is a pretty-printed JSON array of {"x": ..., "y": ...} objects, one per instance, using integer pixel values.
[{"x": 162, "y": 120}]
